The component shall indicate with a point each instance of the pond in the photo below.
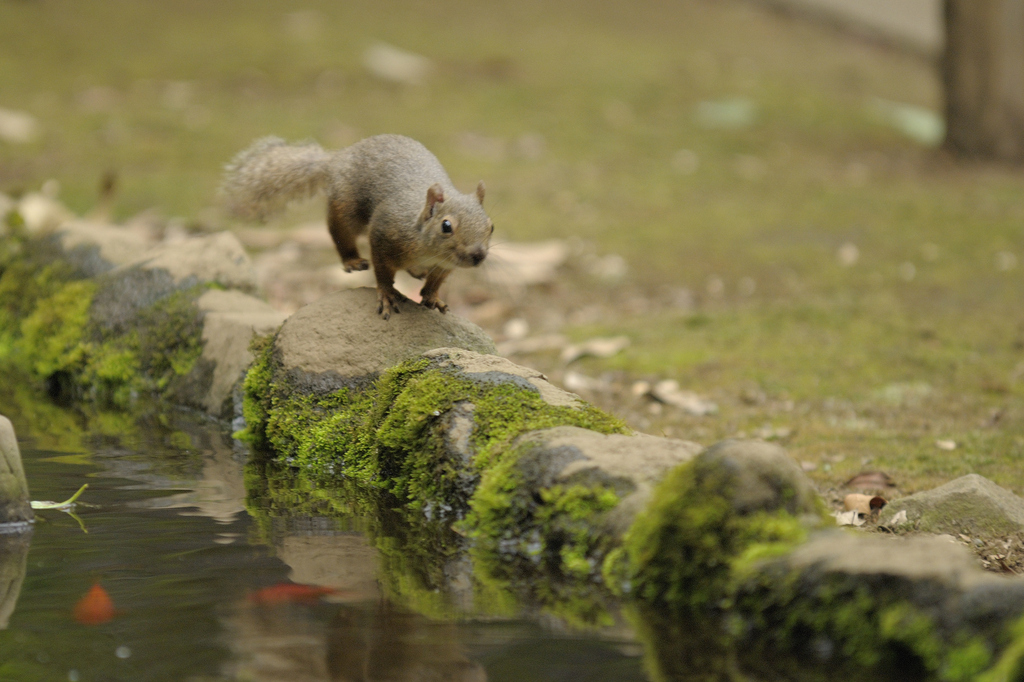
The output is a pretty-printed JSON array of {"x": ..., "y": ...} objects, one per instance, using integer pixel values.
[{"x": 204, "y": 587}]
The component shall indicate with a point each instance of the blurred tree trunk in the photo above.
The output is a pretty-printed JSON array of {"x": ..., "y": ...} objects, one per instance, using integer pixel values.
[{"x": 983, "y": 75}]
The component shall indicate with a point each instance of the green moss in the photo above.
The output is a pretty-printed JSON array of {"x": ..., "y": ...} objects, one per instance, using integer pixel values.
[
  {"x": 544, "y": 545},
  {"x": 170, "y": 336},
  {"x": 24, "y": 285},
  {"x": 256, "y": 391},
  {"x": 689, "y": 547},
  {"x": 1010, "y": 666},
  {"x": 46, "y": 329},
  {"x": 391, "y": 435},
  {"x": 52, "y": 334},
  {"x": 904, "y": 624},
  {"x": 390, "y": 438},
  {"x": 967, "y": 661}
]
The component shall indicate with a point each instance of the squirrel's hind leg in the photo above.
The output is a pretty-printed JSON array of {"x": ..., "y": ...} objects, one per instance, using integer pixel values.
[{"x": 344, "y": 225}]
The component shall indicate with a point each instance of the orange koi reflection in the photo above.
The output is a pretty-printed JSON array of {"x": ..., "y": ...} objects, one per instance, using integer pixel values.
[
  {"x": 289, "y": 593},
  {"x": 95, "y": 607}
]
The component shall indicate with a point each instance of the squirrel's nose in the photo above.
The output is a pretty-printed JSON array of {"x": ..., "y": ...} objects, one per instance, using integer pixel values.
[{"x": 478, "y": 256}]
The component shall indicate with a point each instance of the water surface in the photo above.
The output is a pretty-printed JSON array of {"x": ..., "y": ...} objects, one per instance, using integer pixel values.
[{"x": 196, "y": 581}]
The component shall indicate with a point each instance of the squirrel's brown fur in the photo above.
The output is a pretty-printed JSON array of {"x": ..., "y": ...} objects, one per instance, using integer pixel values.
[{"x": 391, "y": 186}]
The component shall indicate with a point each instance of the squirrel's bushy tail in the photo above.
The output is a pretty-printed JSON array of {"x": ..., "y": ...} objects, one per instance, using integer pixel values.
[{"x": 265, "y": 177}]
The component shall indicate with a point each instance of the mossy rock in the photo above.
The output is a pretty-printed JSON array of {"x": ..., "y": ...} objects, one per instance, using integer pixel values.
[
  {"x": 971, "y": 504},
  {"x": 544, "y": 518},
  {"x": 409, "y": 430},
  {"x": 87, "y": 328},
  {"x": 736, "y": 504},
  {"x": 848, "y": 603},
  {"x": 14, "y": 499}
]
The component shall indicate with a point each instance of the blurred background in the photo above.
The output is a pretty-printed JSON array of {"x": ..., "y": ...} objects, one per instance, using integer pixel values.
[{"x": 717, "y": 218}]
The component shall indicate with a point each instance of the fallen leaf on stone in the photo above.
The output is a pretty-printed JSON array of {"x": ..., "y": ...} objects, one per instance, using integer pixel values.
[
  {"x": 598, "y": 348},
  {"x": 945, "y": 445},
  {"x": 668, "y": 392},
  {"x": 849, "y": 518},
  {"x": 521, "y": 265},
  {"x": 389, "y": 63},
  {"x": 898, "y": 519},
  {"x": 871, "y": 479},
  {"x": 532, "y": 344},
  {"x": 640, "y": 388},
  {"x": 574, "y": 381},
  {"x": 864, "y": 504},
  {"x": 18, "y": 126},
  {"x": 773, "y": 433},
  {"x": 736, "y": 112},
  {"x": 848, "y": 254},
  {"x": 924, "y": 126},
  {"x": 517, "y": 328},
  {"x": 610, "y": 268}
]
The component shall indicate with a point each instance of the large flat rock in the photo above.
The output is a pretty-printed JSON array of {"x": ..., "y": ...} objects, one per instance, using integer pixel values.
[{"x": 342, "y": 335}]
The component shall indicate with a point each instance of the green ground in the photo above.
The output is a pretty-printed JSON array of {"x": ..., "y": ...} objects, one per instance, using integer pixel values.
[{"x": 921, "y": 339}]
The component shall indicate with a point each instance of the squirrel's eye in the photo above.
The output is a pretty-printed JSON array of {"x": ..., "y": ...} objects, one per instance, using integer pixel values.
[{"x": 446, "y": 226}]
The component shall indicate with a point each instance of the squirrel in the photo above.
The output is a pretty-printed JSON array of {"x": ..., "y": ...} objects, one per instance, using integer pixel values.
[{"x": 388, "y": 185}]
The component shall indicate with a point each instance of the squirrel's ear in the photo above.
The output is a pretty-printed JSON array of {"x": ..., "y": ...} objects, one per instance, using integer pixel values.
[
  {"x": 480, "y": 192},
  {"x": 435, "y": 195}
]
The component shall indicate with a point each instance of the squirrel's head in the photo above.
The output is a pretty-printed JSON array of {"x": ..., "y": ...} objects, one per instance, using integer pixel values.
[{"x": 454, "y": 229}]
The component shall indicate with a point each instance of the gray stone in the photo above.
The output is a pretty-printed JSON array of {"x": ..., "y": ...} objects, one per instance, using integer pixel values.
[
  {"x": 230, "y": 320},
  {"x": 838, "y": 577},
  {"x": 481, "y": 367},
  {"x": 341, "y": 339},
  {"x": 923, "y": 558},
  {"x": 98, "y": 247},
  {"x": 15, "y": 507},
  {"x": 759, "y": 476},
  {"x": 630, "y": 465},
  {"x": 218, "y": 258},
  {"x": 971, "y": 504}
]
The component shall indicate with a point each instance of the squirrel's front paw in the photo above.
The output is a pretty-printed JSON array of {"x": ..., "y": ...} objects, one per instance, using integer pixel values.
[
  {"x": 387, "y": 303},
  {"x": 355, "y": 264},
  {"x": 432, "y": 302}
]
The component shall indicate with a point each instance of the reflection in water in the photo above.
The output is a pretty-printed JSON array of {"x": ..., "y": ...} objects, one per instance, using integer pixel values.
[
  {"x": 13, "y": 558},
  {"x": 217, "y": 492},
  {"x": 684, "y": 650},
  {"x": 364, "y": 642},
  {"x": 172, "y": 545},
  {"x": 368, "y": 638},
  {"x": 383, "y": 643},
  {"x": 336, "y": 559}
]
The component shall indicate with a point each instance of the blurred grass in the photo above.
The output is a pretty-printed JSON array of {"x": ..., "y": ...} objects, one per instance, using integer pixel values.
[{"x": 164, "y": 93}]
